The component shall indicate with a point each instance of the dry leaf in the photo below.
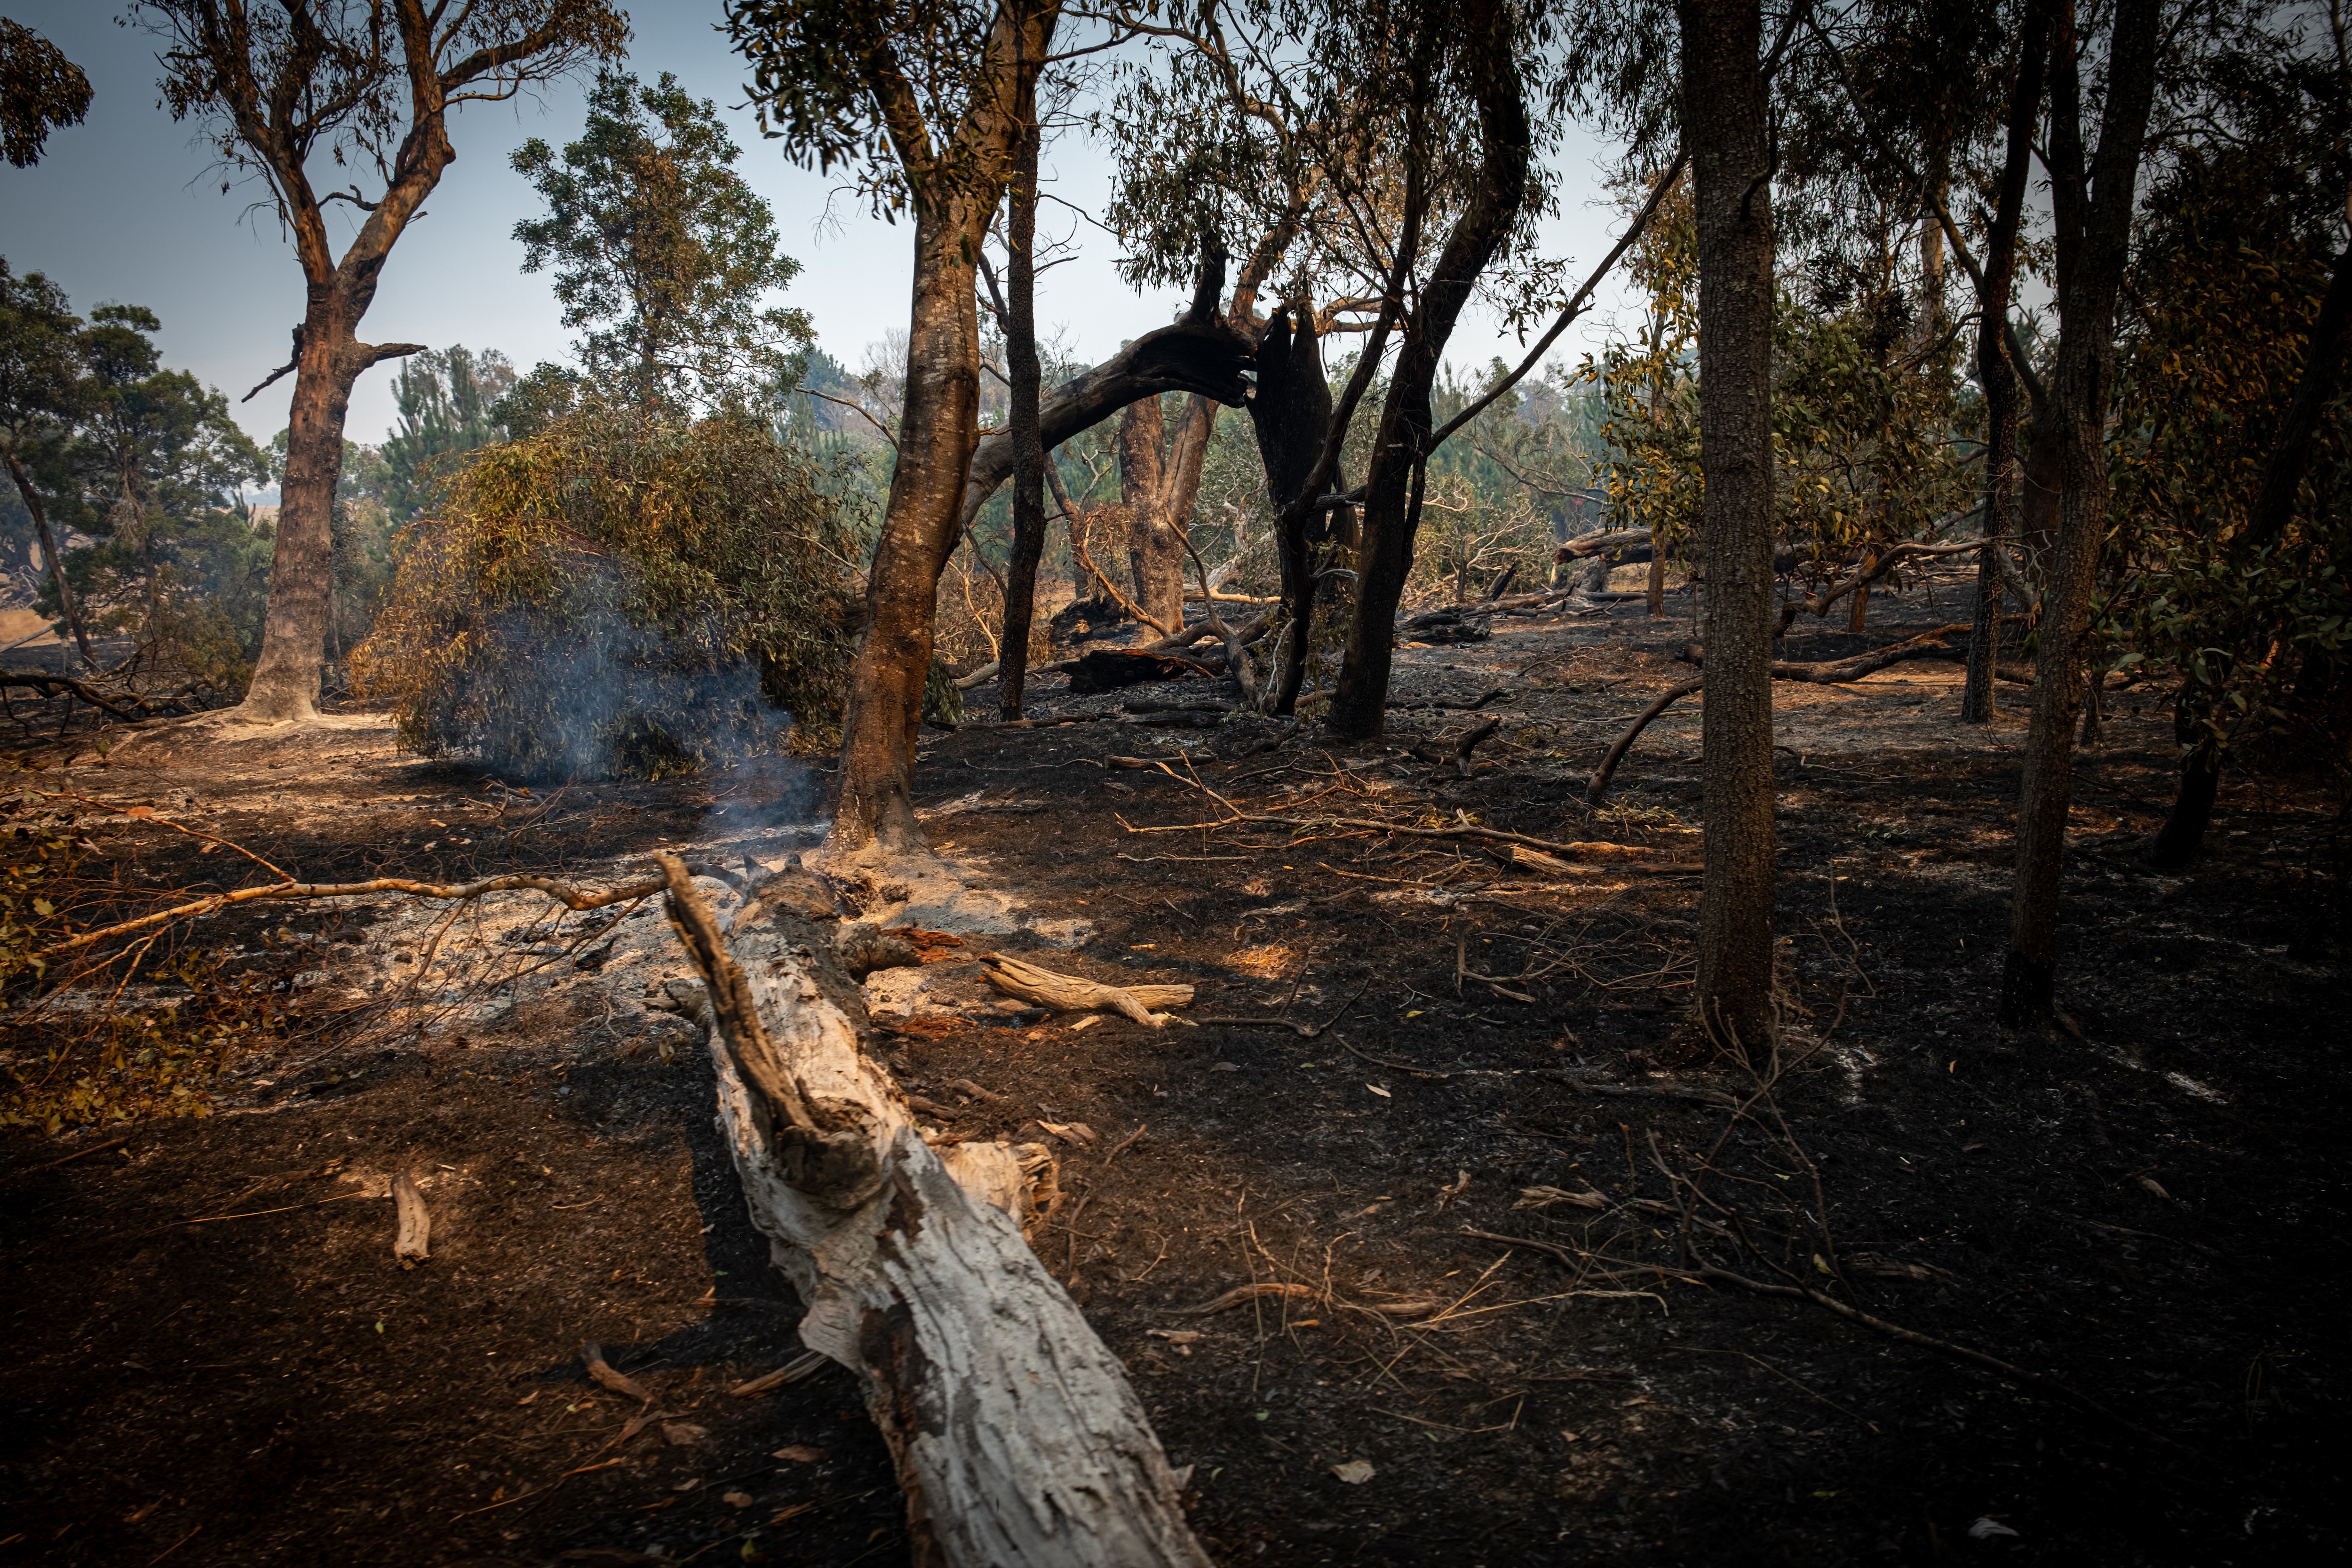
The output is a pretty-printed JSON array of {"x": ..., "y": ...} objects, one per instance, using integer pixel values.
[
  {"x": 144, "y": 813},
  {"x": 801, "y": 1454},
  {"x": 1355, "y": 1472},
  {"x": 1461, "y": 1185},
  {"x": 683, "y": 1435},
  {"x": 1376, "y": 1088},
  {"x": 1183, "y": 1339},
  {"x": 603, "y": 1373},
  {"x": 736, "y": 1500},
  {"x": 1986, "y": 1529},
  {"x": 527, "y": 1398},
  {"x": 2151, "y": 1186},
  {"x": 795, "y": 1511}
]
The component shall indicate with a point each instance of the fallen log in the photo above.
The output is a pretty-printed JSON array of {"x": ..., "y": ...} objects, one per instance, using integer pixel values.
[{"x": 1014, "y": 1433}]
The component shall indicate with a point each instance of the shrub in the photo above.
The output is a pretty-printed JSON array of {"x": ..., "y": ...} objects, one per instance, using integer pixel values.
[{"x": 624, "y": 593}]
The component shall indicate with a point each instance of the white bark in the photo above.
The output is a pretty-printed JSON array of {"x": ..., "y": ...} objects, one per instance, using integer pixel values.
[{"x": 1017, "y": 1437}]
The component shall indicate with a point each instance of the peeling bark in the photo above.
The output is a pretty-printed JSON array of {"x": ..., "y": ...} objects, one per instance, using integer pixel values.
[{"x": 1014, "y": 1432}]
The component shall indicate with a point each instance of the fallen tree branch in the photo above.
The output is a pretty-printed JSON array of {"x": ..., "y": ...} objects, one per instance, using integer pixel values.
[
  {"x": 43, "y": 681},
  {"x": 1076, "y": 993},
  {"x": 1013, "y": 1431},
  {"x": 566, "y": 893},
  {"x": 1608, "y": 768}
]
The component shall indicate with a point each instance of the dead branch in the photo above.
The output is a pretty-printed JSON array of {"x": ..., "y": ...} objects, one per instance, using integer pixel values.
[
  {"x": 1608, "y": 768},
  {"x": 48, "y": 684},
  {"x": 1874, "y": 567},
  {"x": 1076, "y": 993},
  {"x": 570, "y": 895}
]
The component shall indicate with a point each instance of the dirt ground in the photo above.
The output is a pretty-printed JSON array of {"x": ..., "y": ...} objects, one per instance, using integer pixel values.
[{"x": 219, "y": 1360}]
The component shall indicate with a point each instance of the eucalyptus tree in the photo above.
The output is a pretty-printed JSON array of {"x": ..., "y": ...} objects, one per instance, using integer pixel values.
[
  {"x": 2094, "y": 199},
  {"x": 40, "y": 90},
  {"x": 282, "y": 94},
  {"x": 923, "y": 99}
]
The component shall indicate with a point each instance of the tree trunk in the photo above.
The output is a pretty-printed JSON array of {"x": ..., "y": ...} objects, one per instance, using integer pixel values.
[
  {"x": 2079, "y": 396},
  {"x": 954, "y": 203},
  {"x": 1392, "y": 514},
  {"x": 302, "y": 565},
  {"x": 1657, "y": 586},
  {"x": 1159, "y": 479},
  {"x": 884, "y": 706},
  {"x": 1203, "y": 353},
  {"x": 1016, "y": 1433},
  {"x": 55, "y": 562},
  {"x": 1724, "y": 126},
  {"x": 1028, "y": 446},
  {"x": 1291, "y": 417},
  {"x": 1995, "y": 374}
]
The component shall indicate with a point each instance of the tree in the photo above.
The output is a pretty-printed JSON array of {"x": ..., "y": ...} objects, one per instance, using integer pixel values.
[
  {"x": 1723, "y": 120},
  {"x": 447, "y": 405},
  {"x": 926, "y": 96},
  {"x": 161, "y": 465},
  {"x": 1492, "y": 189},
  {"x": 40, "y": 90},
  {"x": 40, "y": 369},
  {"x": 2094, "y": 210},
  {"x": 662, "y": 254},
  {"x": 361, "y": 81},
  {"x": 1025, "y": 379}
]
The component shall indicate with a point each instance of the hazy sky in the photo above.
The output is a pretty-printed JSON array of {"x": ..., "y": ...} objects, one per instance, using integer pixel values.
[{"x": 123, "y": 208}]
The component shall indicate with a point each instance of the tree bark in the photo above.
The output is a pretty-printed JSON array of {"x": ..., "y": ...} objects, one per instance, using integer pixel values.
[
  {"x": 1724, "y": 126},
  {"x": 2079, "y": 396},
  {"x": 1995, "y": 374},
  {"x": 1204, "y": 353},
  {"x": 1028, "y": 444},
  {"x": 1392, "y": 512},
  {"x": 1159, "y": 479},
  {"x": 1016, "y": 1433},
  {"x": 956, "y": 193},
  {"x": 1291, "y": 417},
  {"x": 53, "y": 560}
]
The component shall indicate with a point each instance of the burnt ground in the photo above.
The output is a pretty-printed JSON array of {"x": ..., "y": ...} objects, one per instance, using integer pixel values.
[{"x": 2146, "y": 1208}]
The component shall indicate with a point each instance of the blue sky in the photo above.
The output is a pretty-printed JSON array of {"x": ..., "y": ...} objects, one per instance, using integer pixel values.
[{"x": 125, "y": 207}]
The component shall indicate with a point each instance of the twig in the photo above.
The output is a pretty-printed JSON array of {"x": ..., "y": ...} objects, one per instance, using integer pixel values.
[
  {"x": 69, "y": 1159},
  {"x": 1608, "y": 768},
  {"x": 1385, "y": 1062}
]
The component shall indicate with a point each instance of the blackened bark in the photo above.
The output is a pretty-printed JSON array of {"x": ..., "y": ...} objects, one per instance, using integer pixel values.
[
  {"x": 1392, "y": 512},
  {"x": 1028, "y": 446},
  {"x": 2079, "y": 397},
  {"x": 1291, "y": 415},
  {"x": 1995, "y": 374}
]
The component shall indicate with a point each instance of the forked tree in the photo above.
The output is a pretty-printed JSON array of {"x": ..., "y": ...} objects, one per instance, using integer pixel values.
[
  {"x": 364, "y": 83},
  {"x": 2094, "y": 206},
  {"x": 926, "y": 99}
]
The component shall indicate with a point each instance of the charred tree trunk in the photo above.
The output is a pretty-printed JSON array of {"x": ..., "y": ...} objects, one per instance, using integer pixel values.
[
  {"x": 1028, "y": 443},
  {"x": 1014, "y": 1432},
  {"x": 1392, "y": 486},
  {"x": 2079, "y": 395},
  {"x": 955, "y": 198},
  {"x": 1291, "y": 415},
  {"x": 1995, "y": 374},
  {"x": 1724, "y": 126},
  {"x": 53, "y": 560}
]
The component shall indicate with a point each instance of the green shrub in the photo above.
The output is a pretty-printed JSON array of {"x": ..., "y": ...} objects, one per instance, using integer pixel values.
[{"x": 625, "y": 593}]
